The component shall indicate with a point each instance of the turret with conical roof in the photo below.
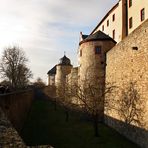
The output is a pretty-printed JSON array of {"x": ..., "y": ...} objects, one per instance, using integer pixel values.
[
  {"x": 64, "y": 61},
  {"x": 62, "y": 70},
  {"x": 92, "y": 60}
]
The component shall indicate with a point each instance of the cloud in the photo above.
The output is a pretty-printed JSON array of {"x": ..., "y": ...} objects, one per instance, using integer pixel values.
[{"x": 47, "y": 28}]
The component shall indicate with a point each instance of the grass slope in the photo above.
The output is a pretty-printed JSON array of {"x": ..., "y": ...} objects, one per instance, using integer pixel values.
[{"x": 47, "y": 126}]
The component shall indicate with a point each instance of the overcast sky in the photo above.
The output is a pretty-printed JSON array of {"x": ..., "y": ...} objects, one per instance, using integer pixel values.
[{"x": 47, "y": 28}]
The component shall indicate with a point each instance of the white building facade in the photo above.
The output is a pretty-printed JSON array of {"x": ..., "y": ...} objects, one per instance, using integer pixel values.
[{"x": 123, "y": 18}]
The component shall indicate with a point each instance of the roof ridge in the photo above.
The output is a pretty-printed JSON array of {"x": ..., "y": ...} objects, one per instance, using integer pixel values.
[{"x": 99, "y": 35}]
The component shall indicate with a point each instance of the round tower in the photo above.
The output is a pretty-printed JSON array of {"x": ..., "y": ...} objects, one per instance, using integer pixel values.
[
  {"x": 92, "y": 55},
  {"x": 62, "y": 70},
  {"x": 92, "y": 61}
]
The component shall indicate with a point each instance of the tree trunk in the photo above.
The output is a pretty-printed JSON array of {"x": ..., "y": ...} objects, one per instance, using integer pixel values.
[
  {"x": 55, "y": 104},
  {"x": 95, "y": 120},
  {"x": 67, "y": 115}
]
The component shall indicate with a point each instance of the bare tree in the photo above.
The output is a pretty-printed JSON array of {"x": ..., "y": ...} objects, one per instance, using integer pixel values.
[
  {"x": 13, "y": 67},
  {"x": 131, "y": 105},
  {"x": 64, "y": 99},
  {"x": 91, "y": 98},
  {"x": 90, "y": 92},
  {"x": 39, "y": 83}
]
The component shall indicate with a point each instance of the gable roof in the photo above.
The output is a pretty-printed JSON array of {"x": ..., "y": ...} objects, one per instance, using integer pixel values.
[
  {"x": 99, "y": 35},
  {"x": 52, "y": 71}
]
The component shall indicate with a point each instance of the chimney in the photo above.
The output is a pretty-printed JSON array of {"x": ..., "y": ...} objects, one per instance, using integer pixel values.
[{"x": 81, "y": 38}]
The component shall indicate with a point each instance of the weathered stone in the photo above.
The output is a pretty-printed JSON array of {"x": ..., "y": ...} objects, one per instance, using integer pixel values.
[{"x": 128, "y": 62}]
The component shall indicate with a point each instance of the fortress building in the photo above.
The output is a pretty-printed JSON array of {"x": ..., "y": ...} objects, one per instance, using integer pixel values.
[
  {"x": 57, "y": 75},
  {"x": 118, "y": 23},
  {"x": 92, "y": 54},
  {"x": 62, "y": 70},
  {"x": 92, "y": 60},
  {"x": 116, "y": 51},
  {"x": 123, "y": 18}
]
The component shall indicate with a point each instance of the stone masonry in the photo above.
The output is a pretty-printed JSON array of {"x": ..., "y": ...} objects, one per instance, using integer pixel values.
[
  {"x": 13, "y": 108},
  {"x": 128, "y": 62}
]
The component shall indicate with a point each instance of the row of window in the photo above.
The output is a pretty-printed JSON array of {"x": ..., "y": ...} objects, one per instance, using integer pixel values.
[
  {"x": 113, "y": 19},
  {"x": 113, "y": 16},
  {"x": 142, "y": 18}
]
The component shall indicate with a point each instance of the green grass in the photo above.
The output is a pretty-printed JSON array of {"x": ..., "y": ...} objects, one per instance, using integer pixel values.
[{"x": 47, "y": 126}]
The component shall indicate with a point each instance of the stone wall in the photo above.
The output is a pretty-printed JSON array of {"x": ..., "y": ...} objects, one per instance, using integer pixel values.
[
  {"x": 9, "y": 137},
  {"x": 127, "y": 63},
  {"x": 16, "y": 106}
]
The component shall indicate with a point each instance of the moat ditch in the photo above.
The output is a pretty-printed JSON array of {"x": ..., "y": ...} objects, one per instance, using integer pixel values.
[{"x": 45, "y": 125}]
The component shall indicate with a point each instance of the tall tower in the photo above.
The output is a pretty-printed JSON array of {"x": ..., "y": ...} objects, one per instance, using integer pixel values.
[
  {"x": 62, "y": 70},
  {"x": 92, "y": 61}
]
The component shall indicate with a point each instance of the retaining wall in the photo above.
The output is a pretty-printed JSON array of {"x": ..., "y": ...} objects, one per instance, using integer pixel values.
[{"x": 16, "y": 106}]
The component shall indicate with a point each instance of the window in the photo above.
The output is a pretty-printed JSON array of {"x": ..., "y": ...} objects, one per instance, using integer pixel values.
[
  {"x": 142, "y": 13},
  {"x": 80, "y": 53},
  {"x": 130, "y": 22},
  {"x": 130, "y": 3},
  {"x": 98, "y": 50},
  {"x": 113, "y": 18},
  {"x": 107, "y": 22},
  {"x": 114, "y": 34},
  {"x": 103, "y": 28}
]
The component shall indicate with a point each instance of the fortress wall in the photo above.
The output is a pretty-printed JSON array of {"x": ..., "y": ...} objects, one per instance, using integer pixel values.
[
  {"x": 9, "y": 137},
  {"x": 128, "y": 62},
  {"x": 16, "y": 106}
]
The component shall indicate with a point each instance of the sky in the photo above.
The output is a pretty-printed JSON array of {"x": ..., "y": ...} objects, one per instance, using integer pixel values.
[{"x": 45, "y": 29}]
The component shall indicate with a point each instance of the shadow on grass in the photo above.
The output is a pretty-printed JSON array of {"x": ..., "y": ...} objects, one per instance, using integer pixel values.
[
  {"x": 139, "y": 135},
  {"x": 45, "y": 125}
]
